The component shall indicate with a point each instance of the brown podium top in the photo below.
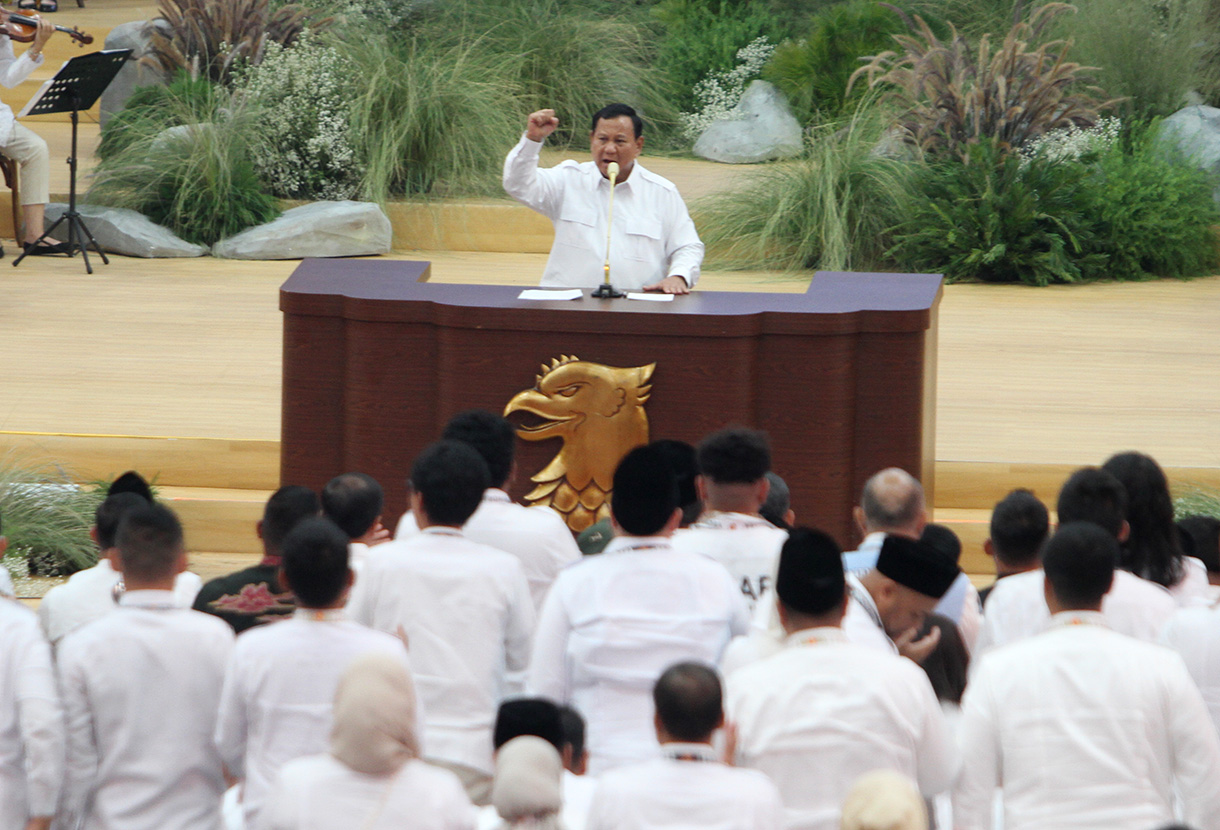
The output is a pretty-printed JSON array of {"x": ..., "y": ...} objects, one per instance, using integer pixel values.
[{"x": 375, "y": 290}]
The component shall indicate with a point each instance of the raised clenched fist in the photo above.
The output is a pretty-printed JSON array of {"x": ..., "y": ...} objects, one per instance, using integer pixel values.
[{"x": 541, "y": 124}]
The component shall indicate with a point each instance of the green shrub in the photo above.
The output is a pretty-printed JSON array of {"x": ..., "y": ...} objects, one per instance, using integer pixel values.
[
  {"x": 998, "y": 218},
  {"x": 1152, "y": 53},
  {"x": 813, "y": 71},
  {"x": 192, "y": 172},
  {"x": 157, "y": 107},
  {"x": 1197, "y": 501},
  {"x": 831, "y": 209},
  {"x": 431, "y": 118},
  {"x": 47, "y": 517},
  {"x": 973, "y": 18},
  {"x": 698, "y": 37}
]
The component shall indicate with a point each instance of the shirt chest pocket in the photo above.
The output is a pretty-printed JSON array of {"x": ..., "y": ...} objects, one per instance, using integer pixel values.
[
  {"x": 577, "y": 227},
  {"x": 643, "y": 237}
]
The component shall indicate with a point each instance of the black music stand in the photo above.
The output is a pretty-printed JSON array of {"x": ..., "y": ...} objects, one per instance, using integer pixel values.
[{"x": 76, "y": 86}]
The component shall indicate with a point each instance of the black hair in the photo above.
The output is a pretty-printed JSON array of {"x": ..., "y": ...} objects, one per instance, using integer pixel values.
[
  {"x": 645, "y": 493},
  {"x": 943, "y": 540},
  {"x": 131, "y": 482},
  {"x": 1020, "y": 524},
  {"x": 1203, "y": 533},
  {"x": 689, "y": 701},
  {"x": 450, "y": 478},
  {"x": 1079, "y": 563},
  {"x": 735, "y": 456},
  {"x": 1151, "y": 550},
  {"x": 535, "y": 716},
  {"x": 573, "y": 730},
  {"x": 109, "y": 515},
  {"x": 1093, "y": 495},
  {"x": 948, "y": 666},
  {"x": 491, "y": 436},
  {"x": 285, "y": 509},
  {"x": 316, "y": 561},
  {"x": 149, "y": 540},
  {"x": 612, "y": 111},
  {"x": 353, "y": 501},
  {"x": 685, "y": 463},
  {"x": 778, "y": 503}
]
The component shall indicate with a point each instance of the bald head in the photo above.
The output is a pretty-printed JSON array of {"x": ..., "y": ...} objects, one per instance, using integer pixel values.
[{"x": 892, "y": 502}]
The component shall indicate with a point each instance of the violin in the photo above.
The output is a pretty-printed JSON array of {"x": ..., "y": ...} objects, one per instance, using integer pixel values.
[{"x": 22, "y": 29}]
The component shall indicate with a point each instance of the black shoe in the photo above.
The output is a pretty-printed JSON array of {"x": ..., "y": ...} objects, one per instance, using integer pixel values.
[{"x": 46, "y": 248}]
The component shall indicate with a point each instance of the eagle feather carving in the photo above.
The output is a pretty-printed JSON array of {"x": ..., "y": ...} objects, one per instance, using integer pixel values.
[{"x": 598, "y": 412}]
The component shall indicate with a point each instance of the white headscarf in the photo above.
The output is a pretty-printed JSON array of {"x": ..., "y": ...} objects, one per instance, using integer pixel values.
[
  {"x": 527, "y": 791},
  {"x": 374, "y": 728},
  {"x": 884, "y": 800}
]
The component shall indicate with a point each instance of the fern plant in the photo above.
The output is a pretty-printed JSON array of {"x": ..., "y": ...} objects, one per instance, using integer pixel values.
[{"x": 953, "y": 94}]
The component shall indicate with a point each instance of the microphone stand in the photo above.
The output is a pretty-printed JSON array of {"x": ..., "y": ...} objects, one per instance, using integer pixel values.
[{"x": 606, "y": 291}]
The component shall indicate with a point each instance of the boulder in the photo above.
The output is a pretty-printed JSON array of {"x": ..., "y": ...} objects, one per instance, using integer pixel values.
[
  {"x": 319, "y": 229},
  {"x": 125, "y": 232},
  {"x": 759, "y": 128},
  {"x": 1195, "y": 132},
  {"x": 133, "y": 36}
]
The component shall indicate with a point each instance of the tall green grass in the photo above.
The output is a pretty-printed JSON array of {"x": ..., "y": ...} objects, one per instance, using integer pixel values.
[
  {"x": 831, "y": 209},
  {"x": 46, "y": 517}
]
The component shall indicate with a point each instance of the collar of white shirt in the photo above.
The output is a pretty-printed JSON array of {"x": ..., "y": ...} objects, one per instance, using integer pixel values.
[
  {"x": 724, "y": 520},
  {"x": 1067, "y": 618},
  {"x": 681, "y": 751},
  {"x": 148, "y": 599},
  {"x": 320, "y": 614},
  {"x": 496, "y": 494},
  {"x": 814, "y": 636},
  {"x": 626, "y": 543},
  {"x": 597, "y": 178},
  {"x": 442, "y": 530}
]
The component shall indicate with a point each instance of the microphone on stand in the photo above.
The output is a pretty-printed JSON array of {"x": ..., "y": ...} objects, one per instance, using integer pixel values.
[{"x": 606, "y": 291}]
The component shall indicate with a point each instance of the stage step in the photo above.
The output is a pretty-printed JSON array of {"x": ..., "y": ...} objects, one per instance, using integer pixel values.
[{"x": 218, "y": 520}]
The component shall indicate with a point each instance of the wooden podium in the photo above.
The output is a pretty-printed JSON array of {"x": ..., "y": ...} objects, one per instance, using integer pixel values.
[{"x": 842, "y": 377}]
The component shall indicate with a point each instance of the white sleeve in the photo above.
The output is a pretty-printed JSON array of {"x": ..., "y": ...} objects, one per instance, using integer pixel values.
[
  {"x": 548, "y": 663},
  {"x": 1196, "y": 748},
  {"x": 533, "y": 188},
  {"x": 683, "y": 246},
  {"x": 41, "y": 721},
  {"x": 937, "y": 754},
  {"x": 81, "y": 769},
  {"x": 14, "y": 70},
  {"x": 231, "y": 723},
  {"x": 974, "y": 795},
  {"x": 519, "y": 632}
]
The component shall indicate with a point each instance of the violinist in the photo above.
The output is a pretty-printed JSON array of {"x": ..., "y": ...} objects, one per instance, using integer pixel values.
[{"x": 22, "y": 145}]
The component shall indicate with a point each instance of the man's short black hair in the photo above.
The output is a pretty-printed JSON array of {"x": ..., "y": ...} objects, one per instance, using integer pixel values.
[
  {"x": 611, "y": 111},
  {"x": 645, "y": 493},
  {"x": 735, "y": 456},
  {"x": 943, "y": 539},
  {"x": 491, "y": 436},
  {"x": 316, "y": 561},
  {"x": 1079, "y": 563},
  {"x": 778, "y": 503},
  {"x": 353, "y": 501},
  {"x": 689, "y": 701},
  {"x": 109, "y": 515},
  {"x": 1020, "y": 524},
  {"x": 131, "y": 482},
  {"x": 1093, "y": 495},
  {"x": 685, "y": 462},
  {"x": 535, "y": 716},
  {"x": 450, "y": 478},
  {"x": 573, "y": 730},
  {"x": 1201, "y": 539},
  {"x": 285, "y": 509},
  {"x": 149, "y": 540}
]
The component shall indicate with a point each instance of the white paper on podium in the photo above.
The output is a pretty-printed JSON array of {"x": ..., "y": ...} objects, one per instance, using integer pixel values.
[
  {"x": 651, "y": 298},
  {"x": 545, "y": 294}
]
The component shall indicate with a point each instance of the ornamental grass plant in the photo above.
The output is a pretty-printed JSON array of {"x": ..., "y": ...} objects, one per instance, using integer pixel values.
[{"x": 46, "y": 517}]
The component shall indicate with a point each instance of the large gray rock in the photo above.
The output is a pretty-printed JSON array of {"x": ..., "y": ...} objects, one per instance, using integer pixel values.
[
  {"x": 319, "y": 229},
  {"x": 759, "y": 128},
  {"x": 125, "y": 232},
  {"x": 1195, "y": 131},
  {"x": 135, "y": 73}
]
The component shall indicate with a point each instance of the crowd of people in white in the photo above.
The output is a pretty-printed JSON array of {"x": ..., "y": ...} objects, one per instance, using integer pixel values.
[{"x": 712, "y": 667}]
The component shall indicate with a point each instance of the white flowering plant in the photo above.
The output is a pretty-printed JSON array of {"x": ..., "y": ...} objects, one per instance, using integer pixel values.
[
  {"x": 719, "y": 92},
  {"x": 1073, "y": 143},
  {"x": 306, "y": 149}
]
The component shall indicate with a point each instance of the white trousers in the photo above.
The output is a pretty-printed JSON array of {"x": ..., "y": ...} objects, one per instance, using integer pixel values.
[{"x": 29, "y": 150}]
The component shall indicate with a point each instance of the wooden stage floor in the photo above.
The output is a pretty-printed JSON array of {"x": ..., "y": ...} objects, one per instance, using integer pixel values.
[{"x": 191, "y": 348}]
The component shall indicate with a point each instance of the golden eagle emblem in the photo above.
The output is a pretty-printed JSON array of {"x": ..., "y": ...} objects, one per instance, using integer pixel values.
[{"x": 598, "y": 411}]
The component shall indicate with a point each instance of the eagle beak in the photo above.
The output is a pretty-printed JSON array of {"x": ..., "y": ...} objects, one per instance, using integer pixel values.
[{"x": 538, "y": 404}]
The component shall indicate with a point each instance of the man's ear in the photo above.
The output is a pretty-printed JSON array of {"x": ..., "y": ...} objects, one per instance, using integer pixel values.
[
  {"x": 989, "y": 547},
  {"x": 701, "y": 488},
  {"x": 93, "y": 534},
  {"x": 857, "y": 513},
  {"x": 258, "y": 529},
  {"x": 1124, "y": 532}
]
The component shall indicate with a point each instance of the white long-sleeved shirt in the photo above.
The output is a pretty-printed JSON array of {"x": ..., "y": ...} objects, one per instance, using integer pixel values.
[
  {"x": 319, "y": 793},
  {"x": 13, "y": 70},
  {"x": 613, "y": 622},
  {"x": 141, "y": 687},
  {"x": 748, "y": 546},
  {"x": 652, "y": 235},
  {"x": 31, "y": 720},
  {"x": 279, "y": 692},
  {"x": 1194, "y": 633},
  {"x": 537, "y": 536},
  {"x": 1016, "y": 609},
  {"x": 1082, "y": 727},
  {"x": 824, "y": 711},
  {"x": 671, "y": 794},
  {"x": 469, "y": 620},
  {"x": 89, "y": 595}
]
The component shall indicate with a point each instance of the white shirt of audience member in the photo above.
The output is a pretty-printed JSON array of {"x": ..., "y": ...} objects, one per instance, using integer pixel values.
[
  {"x": 1194, "y": 633},
  {"x": 748, "y": 546}
]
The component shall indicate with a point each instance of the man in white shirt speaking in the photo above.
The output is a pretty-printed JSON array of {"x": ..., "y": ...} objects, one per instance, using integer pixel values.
[
  {"x": 1080, "y": 726},
  {"x": 653, "y": 245}
]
